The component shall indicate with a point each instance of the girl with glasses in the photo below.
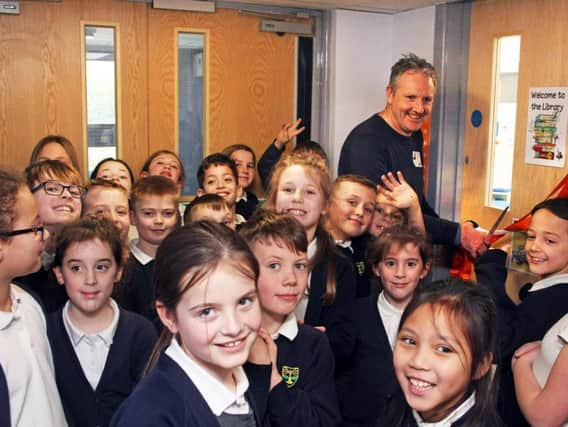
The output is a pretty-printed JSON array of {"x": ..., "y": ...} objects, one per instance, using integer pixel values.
[{"x": 57, "y": 190}]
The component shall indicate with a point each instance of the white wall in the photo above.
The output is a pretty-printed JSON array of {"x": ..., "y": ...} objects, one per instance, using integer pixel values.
[
  {"x": 363, "y": 48},
  {"x": 414, "y": 32}
]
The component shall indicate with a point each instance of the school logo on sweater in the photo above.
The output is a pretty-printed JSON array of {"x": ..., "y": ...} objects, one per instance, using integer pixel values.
[
  {"x": 290, "y": 375},
  {"x": 360, "y": 267}
]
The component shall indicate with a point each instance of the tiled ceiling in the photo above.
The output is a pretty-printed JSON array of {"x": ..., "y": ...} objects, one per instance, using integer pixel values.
[{"x": 381, "y": 6}]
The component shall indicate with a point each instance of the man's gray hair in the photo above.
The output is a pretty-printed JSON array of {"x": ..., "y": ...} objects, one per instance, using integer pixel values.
[{"x": 411, "y": 62}]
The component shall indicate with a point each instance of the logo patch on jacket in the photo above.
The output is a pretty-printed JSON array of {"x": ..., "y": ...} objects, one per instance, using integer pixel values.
[
  {"x": 417, "y": 159},
  {"x": 290, "y": 375},
  {"x": 360, "y": 267}
]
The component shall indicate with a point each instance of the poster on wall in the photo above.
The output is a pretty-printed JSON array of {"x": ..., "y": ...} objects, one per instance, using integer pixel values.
[{"x": 546, "y": 127}]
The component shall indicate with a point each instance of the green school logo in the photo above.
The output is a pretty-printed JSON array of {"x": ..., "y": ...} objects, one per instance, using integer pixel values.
[
  {"x": 290, "y": 375},
  {"x": 360, "y": 267}
]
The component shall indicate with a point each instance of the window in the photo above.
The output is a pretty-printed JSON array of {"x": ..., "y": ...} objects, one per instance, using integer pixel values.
[
  {"x": 191, "y": 114},
  {"x": 504, "y": 111},
  {"x": 100, "y": 72}
]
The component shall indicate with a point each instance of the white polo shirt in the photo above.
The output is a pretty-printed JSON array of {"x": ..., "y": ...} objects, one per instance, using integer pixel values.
[
  {"x": 219, "y": 398},
  {"x": 26, "y": 358},
  {"x": 92, "y": 349},
  {"x": 390, "y": 315},
  {"x": 455, "y": 415},
  {"x": 288, "y": 328},
  {"x": 142, "y": 257}
]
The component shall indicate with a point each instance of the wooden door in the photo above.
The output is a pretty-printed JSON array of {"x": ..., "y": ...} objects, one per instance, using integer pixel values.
[{"x": 251, "y": 77}]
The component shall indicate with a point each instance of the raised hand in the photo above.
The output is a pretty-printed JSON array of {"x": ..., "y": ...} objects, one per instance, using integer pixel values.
[
  {"x": 287, "y": 132},
  {"x": 397, "y": 190}
]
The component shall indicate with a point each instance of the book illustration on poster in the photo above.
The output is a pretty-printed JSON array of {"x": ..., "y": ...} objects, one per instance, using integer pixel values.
[{"x": 546, "y": 126}]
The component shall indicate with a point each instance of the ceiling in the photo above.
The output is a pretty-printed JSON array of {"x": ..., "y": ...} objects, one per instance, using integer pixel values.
[{"x": 380, "y": 6}]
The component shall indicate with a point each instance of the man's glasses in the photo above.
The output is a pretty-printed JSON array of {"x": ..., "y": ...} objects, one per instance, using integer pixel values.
[
  {"x": 56, "y": 189},
  {"x": 39, "y": 232}
]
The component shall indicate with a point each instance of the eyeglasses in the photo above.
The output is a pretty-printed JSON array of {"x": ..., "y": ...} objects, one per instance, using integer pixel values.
[
  {"x": 56, "y": 189},
  {"x": 393, "y": 217},
  {"x": 39, "y": 231}
]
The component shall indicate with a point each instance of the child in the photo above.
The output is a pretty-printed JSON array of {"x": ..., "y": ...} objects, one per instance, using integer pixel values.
[
  {"x": 114, "y": 170},
  {"x": 209, "y": 207},
  {"x": 217, "y": 174},
  {"x": 57, "y": 190},
  {"x": 545, "y": 302},
  {"x": 302, "y": 390},
  {"x": 153, "y": 210},
  {"x": 397, "y": 203},
  {"x": 245, "y": 160},
  {"x": 541, "y": 375},
  {"x": 351, "y": 207},
  {"x": 349, "y": 214},
  {"x": 165, "y": 163},
  {"x": 399, "y": 256},
  {"x": 25, "y": 355},
  {"x": 443, "y": 357},
  {"x": 386, "y": 215},
  {"x": 300, "y": 187},
  {"x": 206, "y": 298},
  {"x": 99, "y": 350},
  {"x": 107, "y": 199},
  {"x": 55, "y": 147}
]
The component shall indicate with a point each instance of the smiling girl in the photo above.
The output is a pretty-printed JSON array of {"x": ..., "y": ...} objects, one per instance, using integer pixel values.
[
  {"x": 443, "y": 355},
  {"x": 205, "y": 284}
]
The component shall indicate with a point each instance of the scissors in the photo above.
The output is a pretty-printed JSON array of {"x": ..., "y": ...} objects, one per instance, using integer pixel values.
[{"x": 495, "y": 225}]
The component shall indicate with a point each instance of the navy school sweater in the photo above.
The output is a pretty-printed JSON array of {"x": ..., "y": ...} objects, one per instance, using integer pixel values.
[
  {"x": 367, "y": 385},
  {"x": 43, "y": 286},
  {"x": 267, "y": 161},
  {"x": 527, "y": 321},
  {"x": 246, "y": 209},
  {"x": 168, "y": 397},
  {"x": 4, "y": 401},
  {"x": 337, "y": 317},
  {"x": 128, "y": 354},
  {"x": 519, "y": 324},
  {"x": 306, "y": 396},
  {"x": 136, "y": 290},
  {"x": 357, "y": 255}
]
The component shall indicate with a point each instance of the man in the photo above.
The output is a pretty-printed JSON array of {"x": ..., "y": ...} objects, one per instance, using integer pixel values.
[{"x": 391, "y": 141}]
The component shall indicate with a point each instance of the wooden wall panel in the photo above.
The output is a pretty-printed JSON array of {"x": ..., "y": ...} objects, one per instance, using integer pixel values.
[
  {"x": 40, "y": 75},
  {"x": 541, "y": 24},
  {"x": 251, "y": 79},
  {"x": 40, "y": 87}
]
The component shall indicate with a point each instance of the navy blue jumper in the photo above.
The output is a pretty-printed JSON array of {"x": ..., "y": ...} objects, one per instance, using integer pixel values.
[{"x": 131, "y": 347}]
